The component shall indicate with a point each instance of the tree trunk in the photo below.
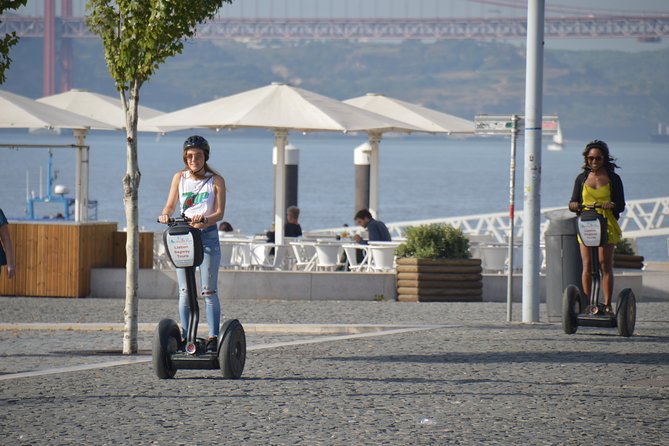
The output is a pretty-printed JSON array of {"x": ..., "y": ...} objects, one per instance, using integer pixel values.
[{"x": 130, "y": 201}]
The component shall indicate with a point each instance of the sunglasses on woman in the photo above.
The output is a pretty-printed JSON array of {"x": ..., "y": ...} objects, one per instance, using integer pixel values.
[{"x": 594, "y": 158}]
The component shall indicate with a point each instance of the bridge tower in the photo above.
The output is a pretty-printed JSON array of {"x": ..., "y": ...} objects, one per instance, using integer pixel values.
[
  {"x": 49, "y": 56},
  {"x": 57, "y": 57},
  {"x": 65, "y": 52}
]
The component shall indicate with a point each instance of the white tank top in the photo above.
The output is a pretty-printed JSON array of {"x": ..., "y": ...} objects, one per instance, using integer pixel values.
[{"x": 198, "y": 193}]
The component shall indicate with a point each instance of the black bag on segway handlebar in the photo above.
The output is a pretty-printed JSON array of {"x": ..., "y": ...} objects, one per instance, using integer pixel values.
[
  {"x": 592, "y": 228},
  {"x": 184, "y": 245}
]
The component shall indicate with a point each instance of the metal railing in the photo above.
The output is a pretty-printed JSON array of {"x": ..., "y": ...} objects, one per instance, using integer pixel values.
[
  {"x": 439, "y": 28},
  {"x": 642, "y": 218}
]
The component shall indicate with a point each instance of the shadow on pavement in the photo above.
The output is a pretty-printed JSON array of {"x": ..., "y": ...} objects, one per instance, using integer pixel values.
[{"x": 557, "y": 357}]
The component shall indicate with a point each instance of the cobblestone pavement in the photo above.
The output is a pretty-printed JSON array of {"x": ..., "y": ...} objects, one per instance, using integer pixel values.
[{"x": 478, "y": 380}]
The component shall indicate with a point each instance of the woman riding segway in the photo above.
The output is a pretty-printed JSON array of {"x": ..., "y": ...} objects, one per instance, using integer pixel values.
[
  {"x": 200, "y": 191},
  {"x": 599, "y": 184}
]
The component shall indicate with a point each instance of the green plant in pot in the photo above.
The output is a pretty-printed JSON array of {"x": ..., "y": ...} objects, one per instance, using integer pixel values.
[
  {"x": 435, "y": 241},
  {"x": 625, "y": 257},
  {"x": 434, "y": 265}
]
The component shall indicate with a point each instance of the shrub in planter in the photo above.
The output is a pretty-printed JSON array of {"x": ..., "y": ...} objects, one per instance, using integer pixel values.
[
  {"x": 434, "y": 265},
  {"x": 625, "y": 257},
  {"x": 435, "y": 241}
]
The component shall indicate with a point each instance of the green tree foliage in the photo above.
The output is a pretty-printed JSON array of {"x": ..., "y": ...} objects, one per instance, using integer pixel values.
[
  {"x": 435, "y": 241},
  {"x": 8, "y": 40},
  {"x": 138, "y": 36}
]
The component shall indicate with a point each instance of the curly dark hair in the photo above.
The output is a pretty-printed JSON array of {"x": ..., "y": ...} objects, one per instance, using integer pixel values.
[{"x": 609, "y": 161}]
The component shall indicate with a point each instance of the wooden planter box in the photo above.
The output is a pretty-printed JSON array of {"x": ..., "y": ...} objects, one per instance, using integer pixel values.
[
  {"x": 627, "y": 261},
  {"x": 145, "y": 249},
  {"x": 427, "y": 280},
  {"x": 54, "y": 259}
]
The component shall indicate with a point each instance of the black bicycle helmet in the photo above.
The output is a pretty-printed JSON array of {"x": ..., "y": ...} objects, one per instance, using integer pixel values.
[{"x": 197, "y": 142}]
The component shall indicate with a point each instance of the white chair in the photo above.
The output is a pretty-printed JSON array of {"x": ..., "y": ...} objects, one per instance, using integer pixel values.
[
  {"x": 327, "y": 255},
  {"x": 383, "y": 257},
  {"x": 351, "y": 252},
  {"x": 227, "y": 252},
  {"x": 242, "y": 255},
  {"x": 281, "y": 257},
  {"x": 493, "y": 258},
  {"x": 305, "y": 256},
  {"x": 264, "y": 260},
  {"x": 161, "y": 259},
  {"x": 260, "y": 255}
]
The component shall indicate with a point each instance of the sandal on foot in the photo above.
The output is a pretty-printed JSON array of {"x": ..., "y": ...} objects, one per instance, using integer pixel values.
[{"x": 608, "y": 310}]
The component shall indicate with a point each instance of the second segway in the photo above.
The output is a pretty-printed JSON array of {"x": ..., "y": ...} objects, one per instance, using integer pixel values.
[{"x": 576, "y": 310}]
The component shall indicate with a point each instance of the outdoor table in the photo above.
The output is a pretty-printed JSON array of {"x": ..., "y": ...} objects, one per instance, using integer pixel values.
[{"x": 327, "y": 254}]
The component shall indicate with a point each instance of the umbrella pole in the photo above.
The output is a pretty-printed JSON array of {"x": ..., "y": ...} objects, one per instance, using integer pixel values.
[
  {"x": 280, "y": 136},
  {"x": 81, "y": 177},
  {"x": 374, "y": 141}
]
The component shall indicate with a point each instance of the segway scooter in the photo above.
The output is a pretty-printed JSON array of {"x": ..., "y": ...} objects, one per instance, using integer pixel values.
[
  {"x": 576, "y": 311},
  {"x": 170, "y": 352}
]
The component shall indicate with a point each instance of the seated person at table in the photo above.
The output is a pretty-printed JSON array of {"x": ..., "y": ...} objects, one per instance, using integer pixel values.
[
  {"x": 225, "y": 227},
  {"x": 377, "y": 230},
  {"x": 292, "y": 227},
  {"x": 225, "y": 230}
]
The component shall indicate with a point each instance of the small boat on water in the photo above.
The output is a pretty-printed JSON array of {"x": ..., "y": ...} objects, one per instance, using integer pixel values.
[
  {"x": 558, "y": 141},
  {"x": 662, "y": 135},
  {"x": 55, "y": 195}
]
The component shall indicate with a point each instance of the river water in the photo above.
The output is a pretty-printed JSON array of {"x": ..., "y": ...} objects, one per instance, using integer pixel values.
[{"x": 420, "y": 177}]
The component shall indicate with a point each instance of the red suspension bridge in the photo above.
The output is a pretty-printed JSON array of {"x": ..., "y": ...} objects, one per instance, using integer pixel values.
[{"x": 561, "y": 23}]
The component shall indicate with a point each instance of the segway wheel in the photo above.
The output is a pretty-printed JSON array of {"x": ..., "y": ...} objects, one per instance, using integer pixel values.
[
  {"x": 626, "y": 313},
  {"x": 165, "y": 343},
  {"x": 232, "y": 349},
  {"x": 571, "y": 306}
]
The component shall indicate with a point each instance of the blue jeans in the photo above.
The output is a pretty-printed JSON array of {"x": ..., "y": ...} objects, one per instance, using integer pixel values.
[{"x": 208, "y": 284}]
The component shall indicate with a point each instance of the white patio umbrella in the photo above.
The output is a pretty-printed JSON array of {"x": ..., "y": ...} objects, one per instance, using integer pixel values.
[
  {"x": 20, "y": 112},
  {"x": 427, "y": 120},
  {"x": 282, "y": 108},
  {"x": 101, "y": 108}
]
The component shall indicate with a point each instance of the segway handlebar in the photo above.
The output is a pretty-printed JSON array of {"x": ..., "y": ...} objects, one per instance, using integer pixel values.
[
  {"x": 183, "y": 219},
  {"x": 584, "y": 207}
]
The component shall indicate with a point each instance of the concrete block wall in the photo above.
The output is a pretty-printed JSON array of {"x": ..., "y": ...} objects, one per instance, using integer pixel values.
[
  {"x": 494, "y": 285},
  {"x": 110, "y": 282}
]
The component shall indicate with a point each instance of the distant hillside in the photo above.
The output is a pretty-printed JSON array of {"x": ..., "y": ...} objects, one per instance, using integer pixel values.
[{"x": 601, "y": 94}]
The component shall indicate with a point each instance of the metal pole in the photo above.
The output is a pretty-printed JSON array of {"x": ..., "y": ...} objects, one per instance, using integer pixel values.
[
  {"x": 361, "y": 156},
  {"x": 81, "y": 177},
  {"x": 85, "y": 151},
  {"x": 374, "y": 140},
  {"x": 532, "y": 195},
  {"x": 280, "y": 136},
  {"x": 512, "y": 195},
  {"x": 292, "y": 174},
  {"x": 78, "y": 186},
  {"x": 292, "y": 160}
]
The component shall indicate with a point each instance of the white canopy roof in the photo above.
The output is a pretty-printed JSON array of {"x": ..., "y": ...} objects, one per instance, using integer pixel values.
[
  {"x": 100, "y": 107},
  {"x": 279, "y": 106},
  {"x": 22, "y": 112},
  {"x": 426, "y": 119}
]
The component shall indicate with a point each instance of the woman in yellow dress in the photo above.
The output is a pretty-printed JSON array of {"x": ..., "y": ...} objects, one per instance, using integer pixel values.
[{"x": 599, "y": 184}]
